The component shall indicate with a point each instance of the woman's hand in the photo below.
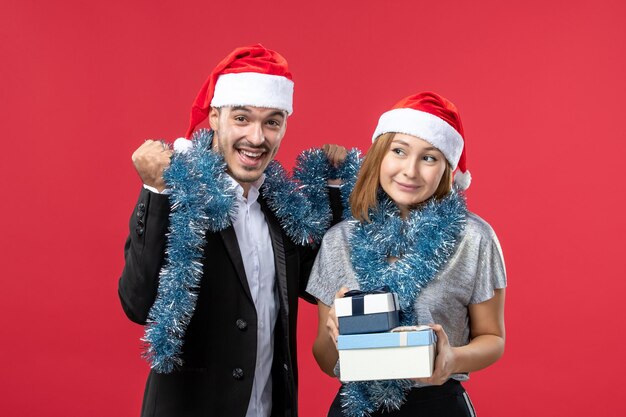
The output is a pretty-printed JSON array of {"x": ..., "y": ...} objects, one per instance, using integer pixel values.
[
  {"x": 325, "y": 345},
  {"x": 445, "y": 361},
  {"x": 332, "y": 323},
  {"x": 485, "y": 347}
]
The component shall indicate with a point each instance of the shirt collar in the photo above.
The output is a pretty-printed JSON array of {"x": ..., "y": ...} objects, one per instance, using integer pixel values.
[{"x": 253, "y": 192}]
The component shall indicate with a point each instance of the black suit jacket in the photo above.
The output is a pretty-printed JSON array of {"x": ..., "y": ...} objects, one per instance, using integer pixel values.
[{"x": 219, "y": 350}]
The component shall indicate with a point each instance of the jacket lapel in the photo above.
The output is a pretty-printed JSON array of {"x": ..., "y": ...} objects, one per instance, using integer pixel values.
[
  {"x": 280, "y": 263},
  {"x": 232, "y": 247}
]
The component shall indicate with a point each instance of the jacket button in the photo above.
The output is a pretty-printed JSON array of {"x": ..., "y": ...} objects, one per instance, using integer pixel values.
[
  {"x": 242, "y": 324},
  {"x": 141, "y": 209},
  {"x": 139, "y": 230},
  {"x": 238, "y": 373}
]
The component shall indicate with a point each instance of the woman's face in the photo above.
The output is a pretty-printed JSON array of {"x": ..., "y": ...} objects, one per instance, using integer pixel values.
[{"x": 411, "y": 171}]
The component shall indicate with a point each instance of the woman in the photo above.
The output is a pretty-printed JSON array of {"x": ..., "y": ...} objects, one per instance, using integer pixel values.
[{"x": 411, "y": 231}]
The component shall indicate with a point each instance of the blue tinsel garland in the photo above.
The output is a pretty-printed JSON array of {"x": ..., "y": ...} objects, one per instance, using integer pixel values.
[
  {"x": 347, "y": 173},
  {"x": 312, "y": 170},
  {"x": 421, "y": 244},
  {"x": 203, "y": 199}
]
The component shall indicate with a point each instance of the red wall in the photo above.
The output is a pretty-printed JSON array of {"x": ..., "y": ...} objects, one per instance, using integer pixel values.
[{"x": 540, "y": 85}]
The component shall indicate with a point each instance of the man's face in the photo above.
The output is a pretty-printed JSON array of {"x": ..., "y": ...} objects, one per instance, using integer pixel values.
[{"x": 249, "y": 138}]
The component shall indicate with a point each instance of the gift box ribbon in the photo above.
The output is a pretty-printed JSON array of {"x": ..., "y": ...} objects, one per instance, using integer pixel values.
[{"x": 358, "y": 298}]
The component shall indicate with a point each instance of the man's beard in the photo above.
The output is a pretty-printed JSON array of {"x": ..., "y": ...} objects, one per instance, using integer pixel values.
[{"x": 235, "y": 148}]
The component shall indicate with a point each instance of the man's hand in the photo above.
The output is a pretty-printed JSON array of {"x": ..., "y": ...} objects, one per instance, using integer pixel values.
[
  {"x": 336, "y": 155},
  {"x": 150, "y": 159}
]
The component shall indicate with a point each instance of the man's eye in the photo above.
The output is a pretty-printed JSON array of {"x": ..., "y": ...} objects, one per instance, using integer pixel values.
[
  {"x": 240, "y": 118},
  {"x": 273, "y": 123}
]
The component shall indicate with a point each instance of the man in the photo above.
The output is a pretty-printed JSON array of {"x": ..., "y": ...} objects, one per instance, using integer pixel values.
[{"x": 224, "y": 345}]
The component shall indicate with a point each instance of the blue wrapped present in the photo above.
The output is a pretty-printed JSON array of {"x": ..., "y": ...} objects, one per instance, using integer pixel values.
[
  {"x": 367, "y": 312},
  {"x": 391, "y": 355}
]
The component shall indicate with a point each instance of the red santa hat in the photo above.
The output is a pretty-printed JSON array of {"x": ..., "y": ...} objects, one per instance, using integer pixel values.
[
  {"x": 434, "y": 119},
  {"x": 248, "y": 76}
]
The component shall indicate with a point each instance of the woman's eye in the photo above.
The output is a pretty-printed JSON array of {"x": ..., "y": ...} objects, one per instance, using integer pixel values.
[
  {"x": 430, "y": 158},
  {"x": 398, "y": 151}
]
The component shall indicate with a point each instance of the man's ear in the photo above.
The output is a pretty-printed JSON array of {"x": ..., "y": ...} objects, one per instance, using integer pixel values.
[
  {"x": 214, "y": 123},
  {"x": 214, "y": 118}
]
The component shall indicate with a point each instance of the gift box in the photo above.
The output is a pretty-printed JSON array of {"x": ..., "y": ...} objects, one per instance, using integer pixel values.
[
  {"x": 391, "y": 355},
  {"x": 367, "y": 312}
]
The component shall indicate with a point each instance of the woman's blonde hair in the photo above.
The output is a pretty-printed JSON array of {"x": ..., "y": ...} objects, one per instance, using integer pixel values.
[{"x": 365, "y": 193}]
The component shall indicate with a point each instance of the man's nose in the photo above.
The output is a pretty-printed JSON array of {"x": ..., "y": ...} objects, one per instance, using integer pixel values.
[{"x": 255, "y": 134}]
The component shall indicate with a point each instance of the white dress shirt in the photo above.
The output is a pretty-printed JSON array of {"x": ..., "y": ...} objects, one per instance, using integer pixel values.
[{"x": 255, "y": 244}]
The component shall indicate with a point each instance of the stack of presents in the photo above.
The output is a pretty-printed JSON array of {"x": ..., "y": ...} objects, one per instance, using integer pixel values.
[{"x": 373, "y": 347}]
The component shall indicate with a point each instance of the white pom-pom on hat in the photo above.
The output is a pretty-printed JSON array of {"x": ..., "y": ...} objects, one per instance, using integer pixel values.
[
  {"x": 463, "y": 179},
  {"x": 182, "y": 145}
]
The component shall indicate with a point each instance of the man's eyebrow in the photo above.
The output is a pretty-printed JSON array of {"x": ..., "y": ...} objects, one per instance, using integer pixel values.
[
  {"x": 277, "y": 113},
  {"x": 280, "y": 113}
]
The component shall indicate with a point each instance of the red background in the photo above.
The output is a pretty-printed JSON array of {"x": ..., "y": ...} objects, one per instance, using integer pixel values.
[{"x": 541, "y": 89}]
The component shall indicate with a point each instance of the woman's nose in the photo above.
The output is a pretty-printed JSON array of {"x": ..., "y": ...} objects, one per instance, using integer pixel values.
[{"x": 411, "y": 169}]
